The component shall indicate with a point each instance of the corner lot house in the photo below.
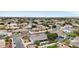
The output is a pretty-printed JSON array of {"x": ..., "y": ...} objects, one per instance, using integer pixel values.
[{"x": 37, "y": 36}]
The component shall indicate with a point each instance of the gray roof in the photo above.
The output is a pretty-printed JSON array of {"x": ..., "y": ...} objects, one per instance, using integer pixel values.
[
  {"x": 37, "y": 36},
  {"x": 75, "y": 41}
]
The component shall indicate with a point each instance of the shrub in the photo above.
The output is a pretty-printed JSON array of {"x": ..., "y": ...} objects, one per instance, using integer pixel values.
[{"x": 37, "y": 42}]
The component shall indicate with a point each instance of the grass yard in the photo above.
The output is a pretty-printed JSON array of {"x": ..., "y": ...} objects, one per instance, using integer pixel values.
[{"x": 53, "y": 46}]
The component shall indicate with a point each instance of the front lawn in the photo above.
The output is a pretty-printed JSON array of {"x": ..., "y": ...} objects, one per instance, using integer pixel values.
[
  {"x": 53, "y": 46},
  {"x": 66, "y": 41},
  {"x": 72, "y": 34}
]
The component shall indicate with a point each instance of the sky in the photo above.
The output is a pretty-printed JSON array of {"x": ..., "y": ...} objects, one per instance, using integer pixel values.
[{"x": 39, "y": 13}]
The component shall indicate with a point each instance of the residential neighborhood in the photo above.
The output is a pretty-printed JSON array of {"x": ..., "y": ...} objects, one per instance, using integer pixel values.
[{"x": 39, "y": 32}]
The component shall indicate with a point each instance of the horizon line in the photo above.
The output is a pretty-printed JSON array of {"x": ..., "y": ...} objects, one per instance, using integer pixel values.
[{"x": 39, "y": 14}]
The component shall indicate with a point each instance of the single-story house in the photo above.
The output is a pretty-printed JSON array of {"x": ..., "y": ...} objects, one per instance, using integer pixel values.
[
  {"x": 34, "y": 36},
  {"x": 75, "y": 41},
  {"x": 67, "y": 28},
  {"x": 39, "y": 28},
  {"x": 61, "y": 35},
  {"x": 12, "y": 26},
  {"x": 29, "y": 26},
  {"x": 23, "y": 25}
]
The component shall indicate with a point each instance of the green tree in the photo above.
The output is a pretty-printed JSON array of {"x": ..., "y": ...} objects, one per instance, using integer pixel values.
[
  {"x": 47, "y": 32},
  {"x": 53, "y": 26},
  {"x": 45, "y": 24},
  {"x": 72, "y": 34},
  {"x": 52, "y": 36},
  {"x": 34, "y": 22},
  {"x": 66, "y": 41},
  {"x": 7, "y": 39},
  {"x": 34, "y": 26},
  {"x": 37, "y": 42}
]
